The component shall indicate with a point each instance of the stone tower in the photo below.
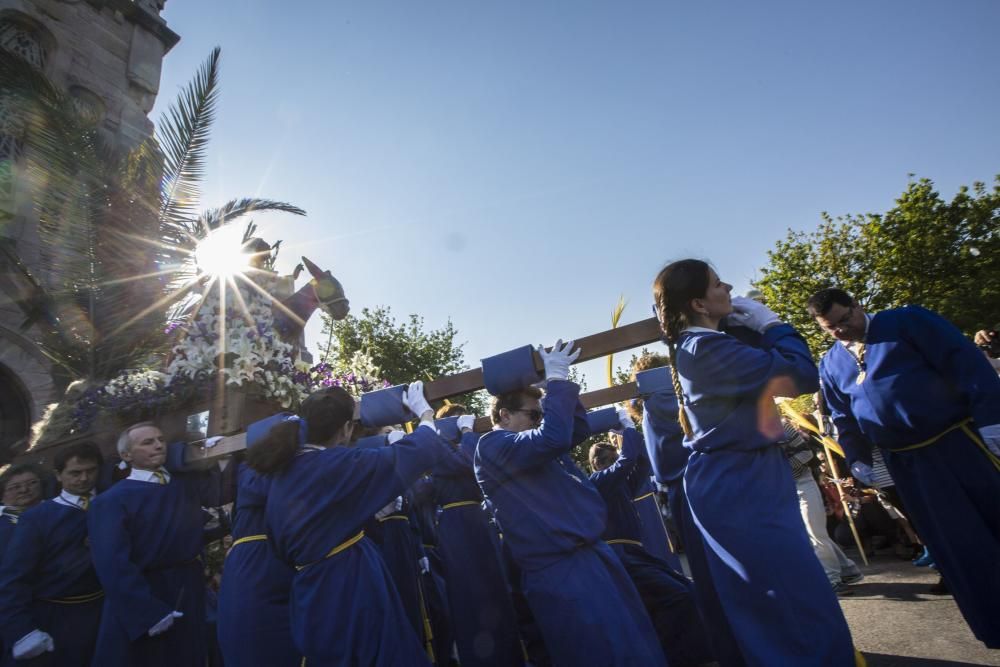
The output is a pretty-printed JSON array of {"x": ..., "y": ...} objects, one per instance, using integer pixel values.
[{"x": 107, "y": 55}]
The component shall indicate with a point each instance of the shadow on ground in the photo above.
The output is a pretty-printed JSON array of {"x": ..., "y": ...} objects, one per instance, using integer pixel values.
[{"x": 880, "y": 660}]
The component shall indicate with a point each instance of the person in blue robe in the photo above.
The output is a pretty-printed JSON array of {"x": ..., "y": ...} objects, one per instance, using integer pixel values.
[
  {"x": 664, "y": 441},
  {"x": 909, "y": 383},
  {"x": 394, "y": 533},
  {"x": 50, "y": 598},
  {"x": 483, "y": 618},
  {"x": 20, "y": 488},
  {"x": 654, "y": 532},
  {"x": 738, "y": 485},
  {"x": 253, "y": 623},
  {"x": 344, "y": 608},
  {"x": 146, "y": 540},
  {"x": 552, "y": 516},
  {"x": 666, "y": 594},
  {"x": 424, "y": 517}
]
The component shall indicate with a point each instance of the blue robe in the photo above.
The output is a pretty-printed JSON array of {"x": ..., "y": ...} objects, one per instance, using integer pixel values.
[
  {"x": 665, "y": 592},
  {"x": 552, "y": 516},
  {"x": 483, "y": 618},
  {"x": 779, "y": 603},
  {"x": 344, "y": 605},
  {"x": 146, "y": 540},
  {"x": 922, "y": 378},
  {"x": 654, "y": 532},
  {"x": 253, "y": 623},
  {"x": 668, "y": 456},
  {"x": 397, "y": 539},
  {"x": 47, "y": 582},
  {"x": 424, "y": 514}
]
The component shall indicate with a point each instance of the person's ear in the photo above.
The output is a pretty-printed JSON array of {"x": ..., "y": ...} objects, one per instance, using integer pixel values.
[
  {"x": 127, "y": 456},
  {"x": 698, "y": 306}
]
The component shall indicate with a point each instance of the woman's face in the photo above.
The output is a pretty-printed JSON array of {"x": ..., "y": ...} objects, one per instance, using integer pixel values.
[{"x": 716, "y": 303}]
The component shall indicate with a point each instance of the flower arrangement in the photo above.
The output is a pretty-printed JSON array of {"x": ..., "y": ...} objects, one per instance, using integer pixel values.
[{"x": 241, "y": 334}]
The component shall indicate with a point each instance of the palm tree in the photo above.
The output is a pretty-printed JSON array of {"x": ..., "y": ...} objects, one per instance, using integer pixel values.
[{"x": 117, "y": 230}]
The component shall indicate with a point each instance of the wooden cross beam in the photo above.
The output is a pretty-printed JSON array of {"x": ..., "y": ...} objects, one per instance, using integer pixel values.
[{"x": 591, "y": 347}]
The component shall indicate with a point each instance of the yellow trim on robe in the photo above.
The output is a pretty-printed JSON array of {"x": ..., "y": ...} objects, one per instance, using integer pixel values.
[
  {"x": 77, "y": 599},
  {"x": 643, "y": 497},
  {"x": 460, "y": 503},
  {"x": 250, "y": 538},
  {"x": 346, "y": 544},
  {"x": 394, "y": 517},
  {"x": 624, "y": 541}
]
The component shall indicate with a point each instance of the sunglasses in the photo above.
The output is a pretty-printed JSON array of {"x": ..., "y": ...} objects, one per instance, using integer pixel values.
[{"x": 534, "y": 415}]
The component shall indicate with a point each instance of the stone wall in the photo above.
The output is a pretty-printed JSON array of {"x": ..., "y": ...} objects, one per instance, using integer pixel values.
[{"x": 107, "y": 55}]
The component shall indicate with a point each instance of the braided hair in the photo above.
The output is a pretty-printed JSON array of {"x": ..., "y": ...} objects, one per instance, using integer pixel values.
[{"x": 674, "y": 288}]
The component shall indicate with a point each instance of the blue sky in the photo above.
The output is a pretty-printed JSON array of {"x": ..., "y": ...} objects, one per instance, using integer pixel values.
[{"x": 515, "y": 166}]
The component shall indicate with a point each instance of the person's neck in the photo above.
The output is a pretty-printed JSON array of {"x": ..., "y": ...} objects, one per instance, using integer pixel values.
[
  {"x": 698, "y": 320},
  {"x": 154, "y": 469}
]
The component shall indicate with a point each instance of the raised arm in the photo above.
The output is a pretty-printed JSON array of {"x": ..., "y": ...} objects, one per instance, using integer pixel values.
[{"x": 618, "y": 473}]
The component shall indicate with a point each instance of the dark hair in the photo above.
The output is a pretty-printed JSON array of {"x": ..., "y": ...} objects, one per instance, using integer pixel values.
[
  {"x": 602, "y": 452},
  {"x": 451, "y": 410},
  {"x": 20, "y": 469},
  {"x": 646, "y": 361},
  {"x": 85, "y": 451},
  {"x": 675, "y": 287},
  {"x": 512, "y": 400},
  {"x": 821, "y": 302},
  {"x": 324, "y": 411}
]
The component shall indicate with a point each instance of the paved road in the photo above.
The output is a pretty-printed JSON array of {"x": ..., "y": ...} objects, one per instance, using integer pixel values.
[{"x": 897, "y": 623}]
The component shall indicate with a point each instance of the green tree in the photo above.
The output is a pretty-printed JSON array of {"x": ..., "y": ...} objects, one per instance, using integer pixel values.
[
  {"x": 403, "y": 351},
  {"x": 942, "y": 255}
]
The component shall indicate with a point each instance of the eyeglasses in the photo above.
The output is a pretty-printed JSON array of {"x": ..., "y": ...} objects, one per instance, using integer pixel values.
[
  {"x": 534, "y": 414},
  {"x": 841, "y": 323},
  {"x": 23, "y": 486}
]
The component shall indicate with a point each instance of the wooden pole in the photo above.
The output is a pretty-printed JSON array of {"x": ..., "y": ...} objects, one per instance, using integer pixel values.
[{"x": 595, "y": 346}]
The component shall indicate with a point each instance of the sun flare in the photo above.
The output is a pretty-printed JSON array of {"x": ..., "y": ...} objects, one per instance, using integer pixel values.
[{"x": 221, "y": 253}]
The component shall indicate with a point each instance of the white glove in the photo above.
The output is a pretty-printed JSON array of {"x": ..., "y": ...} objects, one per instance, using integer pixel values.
[
  {"x": 165, "y": 624},
  {"x": 752, "y": 315},
  {"x": 395, "y": 436},
  {"x": 466, "y": 422},
  {"x": 558, "y": 361},
  {"x": 991, "y": 437},
  {"x": 212, "y": 442},
  {"x": 863, "y": 473},
  {"x": 425, "y": 565},
  {"x": 624, "y": 419},
  {"x": 389, "y": 508},
  {"x": 32, "y": 645},
  {"x": 414, "y": 399}
]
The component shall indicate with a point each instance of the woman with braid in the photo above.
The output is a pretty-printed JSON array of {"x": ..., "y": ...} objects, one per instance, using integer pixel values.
[{"x": 740, "y": 492}]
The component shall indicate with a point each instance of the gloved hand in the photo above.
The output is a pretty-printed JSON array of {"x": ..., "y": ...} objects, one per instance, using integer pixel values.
[
  {"x": 558, "y": 361},
  {"x": 425, "y": 565},
  {"x": 212, "y": 442},
  {"x": 752, "y": 315},
  {"x": 414, "y": 399},
  {"x": 393, "y": 505},
  {"x": 32, "y": 645},
  {"x": 624, "y": 419},
  {"x": 991, "y": 438},
  {"x": 466, "y": 422},
  {"x": 165, "y": 624},
  {"x": 863, "y": 473},
  {"x": 395, "y": 436}
]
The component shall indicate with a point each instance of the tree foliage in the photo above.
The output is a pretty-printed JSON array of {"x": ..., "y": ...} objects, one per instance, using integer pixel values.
[
  {"x": 939, "y": 254},
  {"x": 403, "y": 351}
]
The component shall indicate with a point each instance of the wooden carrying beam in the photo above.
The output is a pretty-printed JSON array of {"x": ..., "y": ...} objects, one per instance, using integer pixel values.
[{"x": 591, "y": 347}]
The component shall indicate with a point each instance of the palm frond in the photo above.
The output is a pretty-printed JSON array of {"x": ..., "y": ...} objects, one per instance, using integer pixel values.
[
  {"x": 616, "y": 316},
  {"x": 183, "y": 138},
  {"x": 218, "y": 217}
]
